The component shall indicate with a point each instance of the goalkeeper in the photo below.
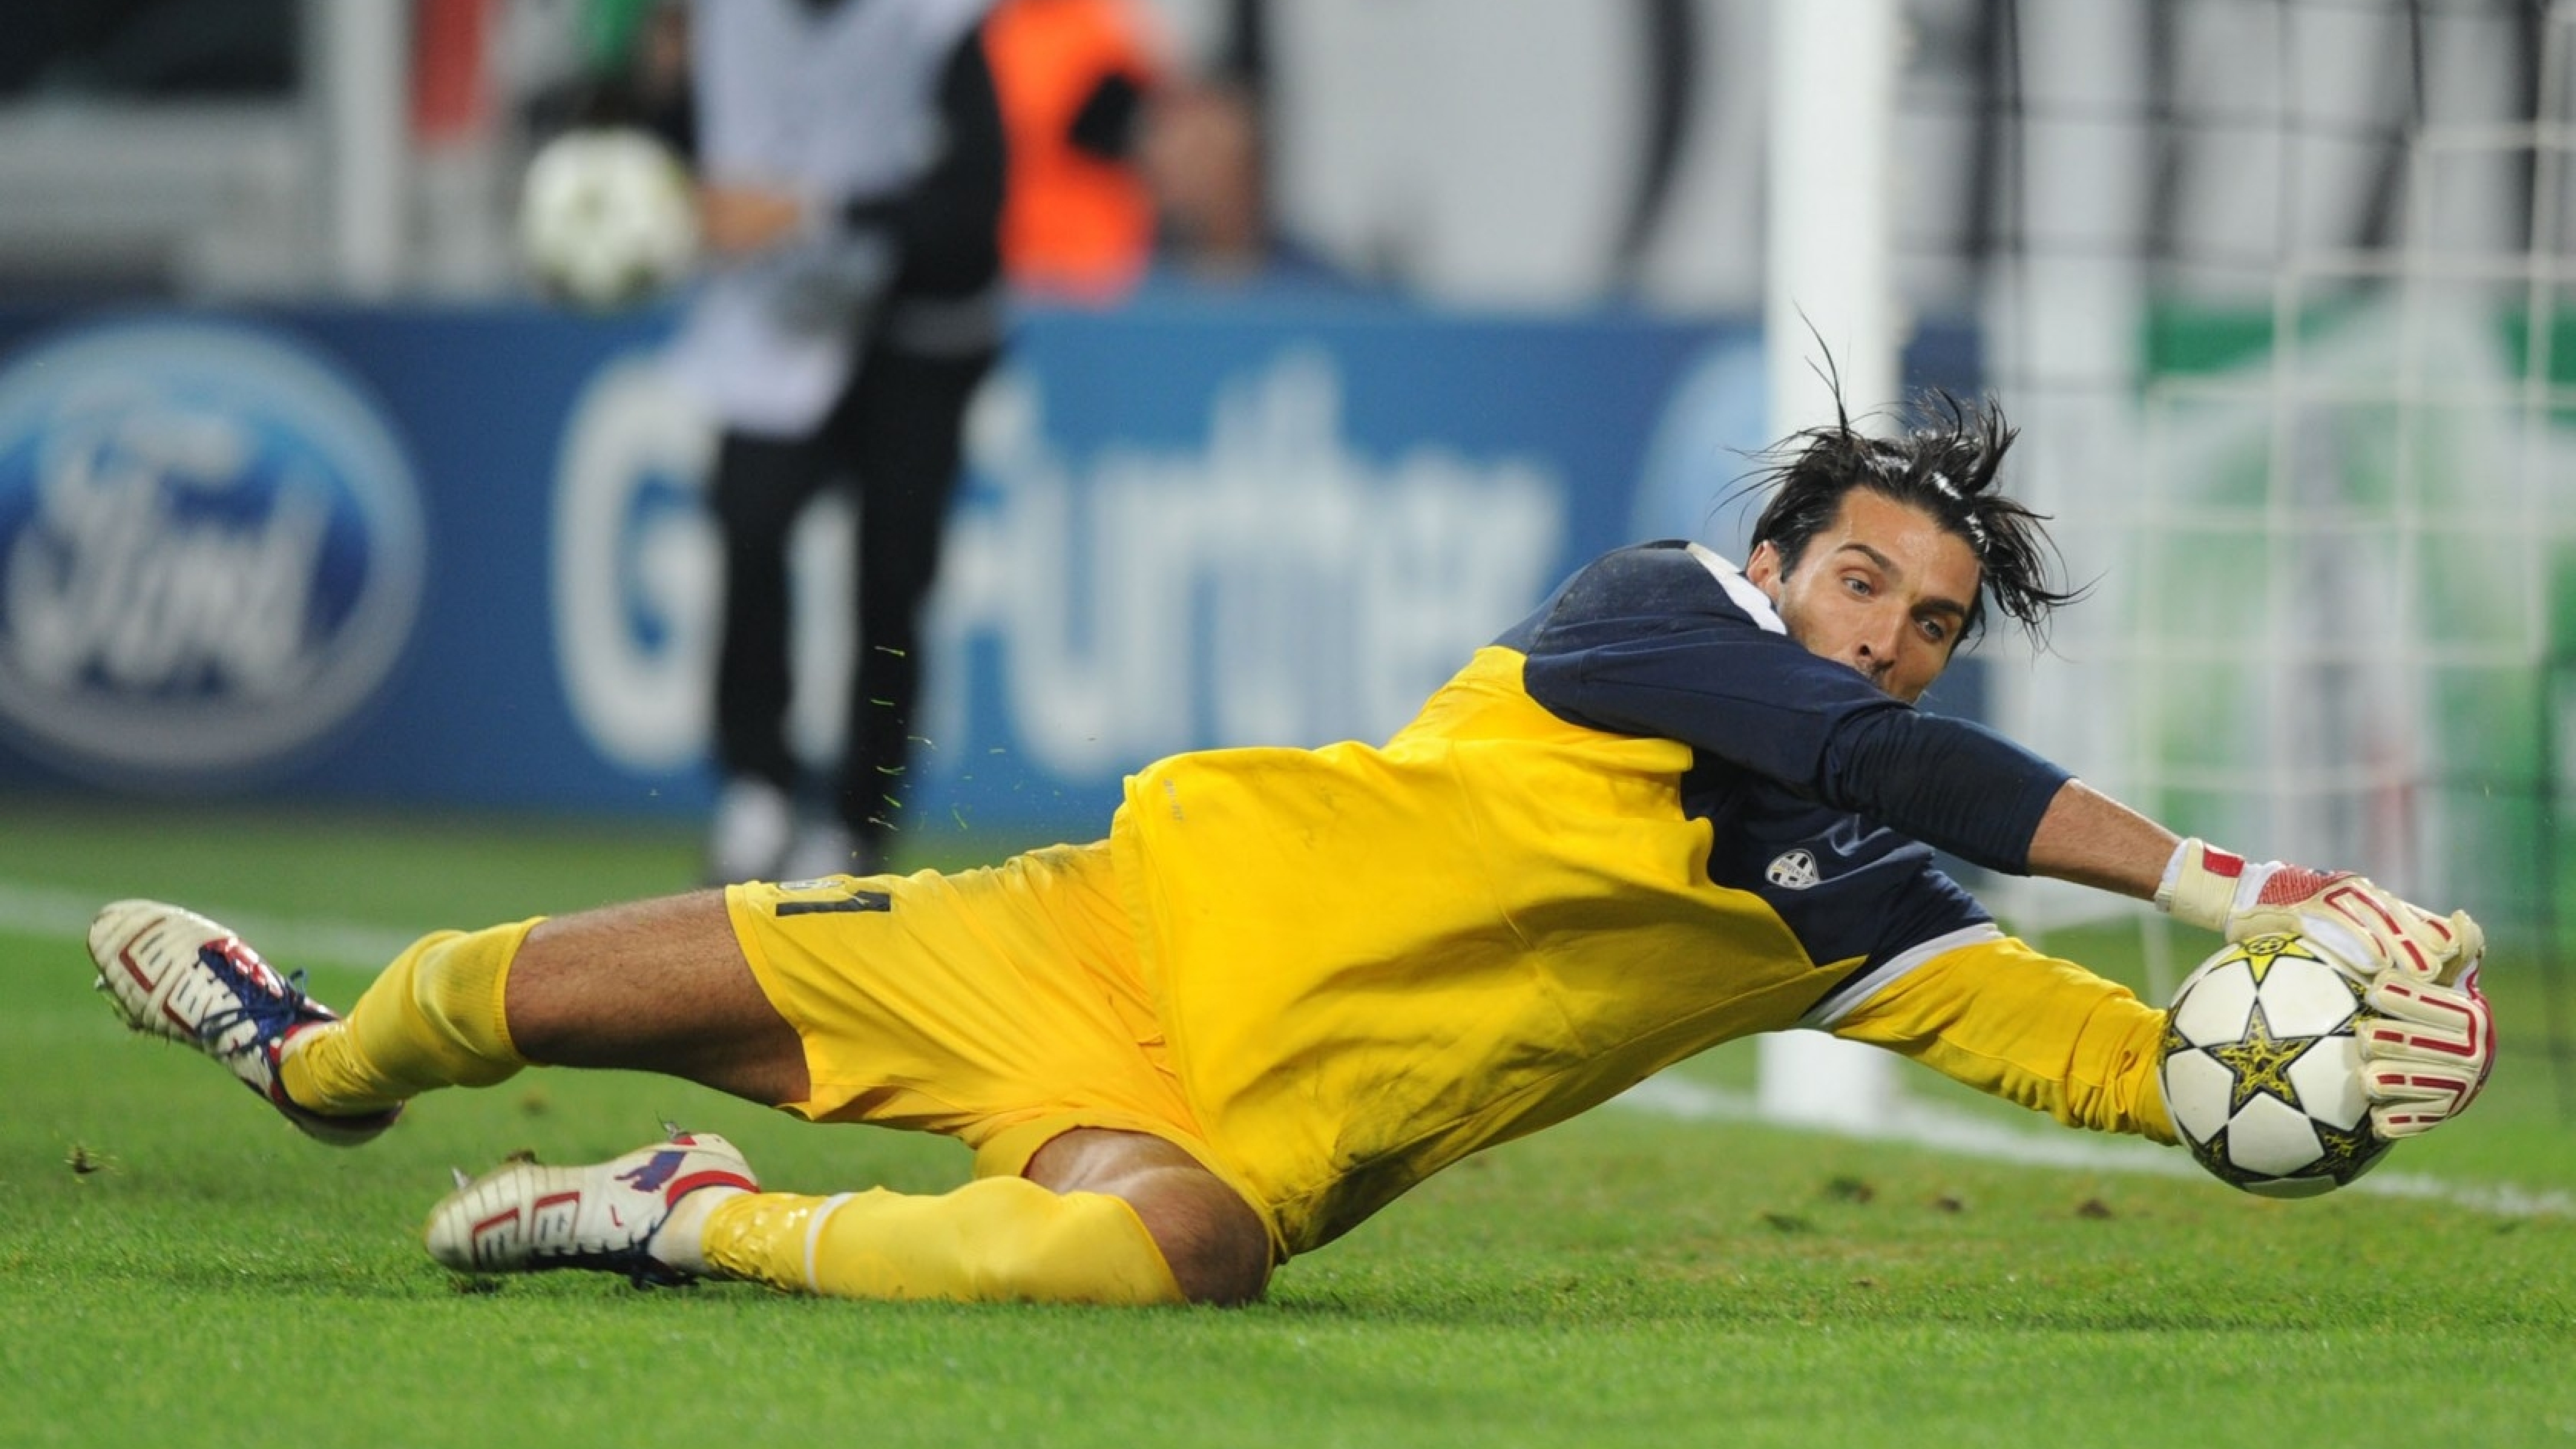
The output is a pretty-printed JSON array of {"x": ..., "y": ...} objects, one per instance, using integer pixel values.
[{"x": 1681, "y": 803}]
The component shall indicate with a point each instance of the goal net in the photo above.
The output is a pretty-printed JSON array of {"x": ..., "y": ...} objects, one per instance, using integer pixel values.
[
  {"x": 2290, "y": 354},
  {"x": 2279, "y": 293}
]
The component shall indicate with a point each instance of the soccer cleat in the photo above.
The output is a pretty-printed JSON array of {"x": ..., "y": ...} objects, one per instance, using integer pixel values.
[
  {"x": 826, "y": 849},
  {"x": 523, "y": 1217},
  {"x": 172, "y": 973},
  {"x": 754, "y": 824}
]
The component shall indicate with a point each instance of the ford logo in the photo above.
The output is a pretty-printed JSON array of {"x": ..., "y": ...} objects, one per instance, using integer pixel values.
[{"x": 210, "y": 548}]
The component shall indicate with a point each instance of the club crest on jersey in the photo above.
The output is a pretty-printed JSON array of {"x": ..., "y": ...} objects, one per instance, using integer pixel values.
[{"x": 1793, "y": 870}]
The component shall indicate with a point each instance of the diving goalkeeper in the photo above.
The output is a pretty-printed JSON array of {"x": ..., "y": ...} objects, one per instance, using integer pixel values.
[{"x": 1680, "y": 803}]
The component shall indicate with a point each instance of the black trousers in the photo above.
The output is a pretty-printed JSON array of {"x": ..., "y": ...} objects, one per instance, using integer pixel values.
[{"x": 895, "y": 436}]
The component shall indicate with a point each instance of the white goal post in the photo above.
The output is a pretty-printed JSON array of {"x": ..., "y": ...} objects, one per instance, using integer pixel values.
[{"x": 1829, "y": 287}]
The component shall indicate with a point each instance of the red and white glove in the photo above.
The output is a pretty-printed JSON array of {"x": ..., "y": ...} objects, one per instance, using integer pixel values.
[
  {"x": 2426, "y": 1053},
  {"x": 2427, "y": 1036},
  {"x": 2365, "y": 929}
]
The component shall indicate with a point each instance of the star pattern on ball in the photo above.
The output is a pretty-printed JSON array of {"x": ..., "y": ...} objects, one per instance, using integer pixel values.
[
  {"x": 2261, "y": 1062},
  {"x": 2343, "y": 1155},
  {"x": 2261, "y": 951},
  {"x": 2214, "y": 1155}
]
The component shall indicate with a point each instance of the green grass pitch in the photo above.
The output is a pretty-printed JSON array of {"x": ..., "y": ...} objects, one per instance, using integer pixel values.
[{"x": 179, "y": 1267}]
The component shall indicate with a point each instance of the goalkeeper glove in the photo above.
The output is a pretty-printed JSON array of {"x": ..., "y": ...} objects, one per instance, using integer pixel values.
[
  {"x": 2365, "y": 929},
  {"x": 2426, "y": 1053}
]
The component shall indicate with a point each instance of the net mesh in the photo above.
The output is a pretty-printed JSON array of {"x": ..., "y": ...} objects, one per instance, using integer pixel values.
[{"x": 2279, "y": 294}]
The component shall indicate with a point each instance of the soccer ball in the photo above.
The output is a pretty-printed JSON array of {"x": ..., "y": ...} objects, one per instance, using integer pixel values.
[
  {"x": 2262, "y": 1072},
  {"x": 606, "y": 217}
]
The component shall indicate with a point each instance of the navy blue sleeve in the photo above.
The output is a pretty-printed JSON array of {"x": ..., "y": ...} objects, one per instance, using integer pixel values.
[{"x": 1648, "y": 641}]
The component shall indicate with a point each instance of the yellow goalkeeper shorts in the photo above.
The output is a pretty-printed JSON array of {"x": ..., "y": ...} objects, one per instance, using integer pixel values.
[{"x": 1001, "y": 1006}]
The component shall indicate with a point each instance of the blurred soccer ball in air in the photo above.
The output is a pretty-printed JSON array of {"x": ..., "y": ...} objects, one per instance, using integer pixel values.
[
  {"x": 606, "y": 217},
  {"x": 2262, "y": 1072}
]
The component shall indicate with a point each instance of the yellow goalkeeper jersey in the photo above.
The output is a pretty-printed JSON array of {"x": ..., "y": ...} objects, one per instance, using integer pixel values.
[{"x": 1373, "y": 960}]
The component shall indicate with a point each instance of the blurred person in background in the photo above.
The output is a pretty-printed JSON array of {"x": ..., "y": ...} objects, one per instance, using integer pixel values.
[
  {"x": 850, "y": 156},
  {"x": 1079, "y": 83},
  {"x": 606, "y": 63},
  {"x": 1123, "y": 158},
  {"x": 1205, "y": 155}
]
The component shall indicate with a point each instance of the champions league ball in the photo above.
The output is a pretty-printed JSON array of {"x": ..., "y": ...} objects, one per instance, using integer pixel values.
[
  {"x": 606, "y": 217},
  {"x": 2262, "y": 1073}
]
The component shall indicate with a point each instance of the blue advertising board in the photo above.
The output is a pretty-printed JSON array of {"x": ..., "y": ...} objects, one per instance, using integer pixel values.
[{"x": 456, "y": 557}]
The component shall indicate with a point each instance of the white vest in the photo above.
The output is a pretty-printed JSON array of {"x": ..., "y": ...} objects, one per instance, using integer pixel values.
[{"x": 838, "y": 103}]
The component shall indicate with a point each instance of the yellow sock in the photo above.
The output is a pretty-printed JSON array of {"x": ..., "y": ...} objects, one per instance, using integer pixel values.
[
  {"x": 433, "y": 1019},
  {"x": 1000, "y": 1239}
]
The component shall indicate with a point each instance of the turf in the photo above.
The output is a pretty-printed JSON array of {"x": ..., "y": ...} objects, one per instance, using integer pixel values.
[{"x": 176, "y": 1266}]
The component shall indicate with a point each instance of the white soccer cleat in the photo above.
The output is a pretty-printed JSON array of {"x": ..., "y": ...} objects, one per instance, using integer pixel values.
[
  {"x": 754, "y": 824},
  {"x": 172, "y": 973},
  {"x": 827, "y": 848},
  {"x": 523, "y": 1217}
]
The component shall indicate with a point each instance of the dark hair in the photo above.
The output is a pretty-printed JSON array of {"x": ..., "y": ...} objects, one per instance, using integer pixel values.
[{"x": 1944, "y": 463}]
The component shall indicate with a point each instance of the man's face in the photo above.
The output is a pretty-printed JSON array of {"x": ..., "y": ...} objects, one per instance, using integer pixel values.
[{"x": 1882, "y": 588}]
